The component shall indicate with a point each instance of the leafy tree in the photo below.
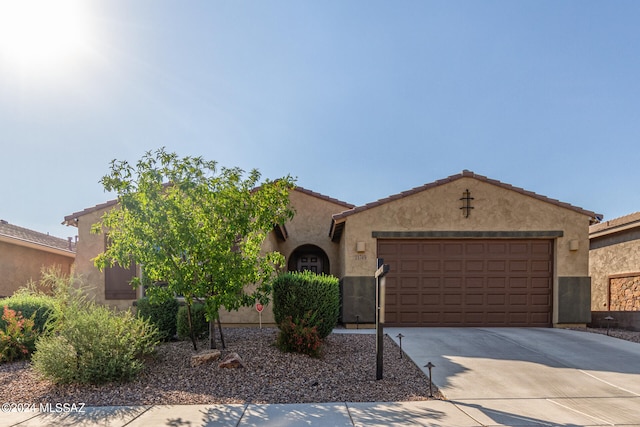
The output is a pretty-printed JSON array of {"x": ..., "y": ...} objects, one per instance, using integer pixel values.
[{"x": 196, "y": 230}]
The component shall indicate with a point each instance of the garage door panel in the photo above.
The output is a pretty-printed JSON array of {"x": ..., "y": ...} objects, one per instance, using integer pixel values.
[
  {"x": 474, "y": 299},
  {"x": 431, "y": 266},
  {"x": 452, "y": 299},
  {"x": 409, "y": 282},
  {"x": 431, "y": 250},
  {"x": 518, "y": 282},
  {"x": 496, "y": 299},
  {"x": 540, "y": 318},
  {"x": 474, "y": 266},
  {"x": 452, "y": 282},
  {"x": 541, "y": 248},
  {"x": 497, "y": 249},
  {"x": 518, "y": 319},
  {"x": 540, "y": 283},
  {"x": 452, "y": 318},
  {"x": 518, "y": 266},
  {"x": 452, "y": 249},
  {"x": 409, "y": 266},
  {"x": 430, "y": 317},
  {"x": 496, "y": 282},
  {"x": 496, "y": 318},
  {"x": 387, "y": 249},
  {"x": 474, "y": 318},
  {"x": 475, "y": 249},
  {"x": 453, "y": 266},
  {"x": 541, "y": 266},
  {"x": 522, "y": 300},
  {"x": 410, "y": 249},
  {"x": 540, "y": 300},
  {"x": 497, "y": 265},
  {"x": 474, "y": 282},
  {"x": 409, "y": 300},
  {"x": 409, "y": 317},
  {"x": 430, "y": 300},
  {"x": 431, "y": 282},
  {"x": 518, "y": 249}
]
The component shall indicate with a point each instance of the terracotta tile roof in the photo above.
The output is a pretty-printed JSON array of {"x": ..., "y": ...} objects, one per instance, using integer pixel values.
[
  {"x": 465, "y": 174},
  {"x": 25, "y": 235},
  {"x": 73, "y": 218},
  {"x": 322, "y": 196},
  {"x": 616, "y": 224}
]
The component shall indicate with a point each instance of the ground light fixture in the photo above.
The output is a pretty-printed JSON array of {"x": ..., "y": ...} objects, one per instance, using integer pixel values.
[
  {"x": 608, "y": 319},
  {"x": 400, "y": 336},
  {"x": 429, "y": 366}
]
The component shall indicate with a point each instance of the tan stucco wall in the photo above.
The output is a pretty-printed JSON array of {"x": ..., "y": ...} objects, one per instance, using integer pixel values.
[
  {"x": 607, "y": 261},
  {"x": 494, "y": 209},
  {"x": 310, "y": 225},
  {"x": 19, "y": 265},
  {"x": 89, "y": 246}
]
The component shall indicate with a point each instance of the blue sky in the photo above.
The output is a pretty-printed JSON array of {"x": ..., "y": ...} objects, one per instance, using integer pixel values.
[{"x": 357, "y": 99}]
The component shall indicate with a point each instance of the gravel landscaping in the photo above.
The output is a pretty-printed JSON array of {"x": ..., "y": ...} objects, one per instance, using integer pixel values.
[
  {"x": 633, "y": 336},
  {"x": 345, "y": 373}
]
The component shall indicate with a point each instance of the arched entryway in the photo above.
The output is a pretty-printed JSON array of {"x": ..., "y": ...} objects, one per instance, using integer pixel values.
[{"x": 309, "y": 257}]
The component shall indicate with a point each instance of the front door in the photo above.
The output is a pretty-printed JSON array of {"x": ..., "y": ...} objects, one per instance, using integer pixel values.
[{"x": 310, "y": 262}]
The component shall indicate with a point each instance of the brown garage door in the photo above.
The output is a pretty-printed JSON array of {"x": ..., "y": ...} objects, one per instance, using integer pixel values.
[{"x": 465, "y": 282}]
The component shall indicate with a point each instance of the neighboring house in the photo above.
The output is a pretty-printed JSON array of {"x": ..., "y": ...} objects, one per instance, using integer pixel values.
[
  {"x": 24, "y": 253},
  {"x": 614, "y": 266},
  {"x": 464, "y": 251}
]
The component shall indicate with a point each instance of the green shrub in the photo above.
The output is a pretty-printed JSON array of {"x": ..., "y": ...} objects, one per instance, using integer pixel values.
[
  {"x": 198, "y": 317},
  {"x": 296, "y": 294},
  {"x": 162, "y": 314},
  {"x": 93, "y": 344},
  {"x": 39, "y": 307},
  {"x": 17, "y": 339},
  {"x": 298, "y": 337}
]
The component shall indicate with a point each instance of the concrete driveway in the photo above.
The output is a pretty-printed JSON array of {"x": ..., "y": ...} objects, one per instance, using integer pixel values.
[{"x": 531, "y": 376}]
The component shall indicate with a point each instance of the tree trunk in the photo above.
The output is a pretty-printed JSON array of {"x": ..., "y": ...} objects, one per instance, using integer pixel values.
[
  {"x": 212, "y": 334},
  {"x": 221, "y": 335},
  {"x": 191, "y": 332}
]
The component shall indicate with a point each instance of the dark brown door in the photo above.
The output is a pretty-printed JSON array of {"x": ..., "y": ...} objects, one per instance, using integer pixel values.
[
  {"x": 310, "y": 262},
  {"x": 467, "y": 282}
]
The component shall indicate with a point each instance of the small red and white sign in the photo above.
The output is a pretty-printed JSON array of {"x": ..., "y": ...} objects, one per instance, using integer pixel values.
[{"x": 259, "y": 307}]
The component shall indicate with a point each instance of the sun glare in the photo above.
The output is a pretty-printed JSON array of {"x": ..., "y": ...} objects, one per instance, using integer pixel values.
[{"x": 38, "y": 34}]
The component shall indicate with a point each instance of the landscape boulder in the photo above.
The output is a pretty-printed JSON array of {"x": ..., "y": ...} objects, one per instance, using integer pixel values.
[
  {"x": 205, "y": 357},
  {"x": 233, "y": 360}
]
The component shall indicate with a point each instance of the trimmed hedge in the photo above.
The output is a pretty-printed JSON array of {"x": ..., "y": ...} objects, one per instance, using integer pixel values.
[
  {"x": 200, "y": 324},
  {"x": 42, "y": 307},
  {"x": 162, "y": 314},
  {"x": 297, "y": 294}
]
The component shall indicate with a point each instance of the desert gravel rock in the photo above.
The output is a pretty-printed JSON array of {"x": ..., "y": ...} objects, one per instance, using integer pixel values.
[{"x": 345, "y": 373}]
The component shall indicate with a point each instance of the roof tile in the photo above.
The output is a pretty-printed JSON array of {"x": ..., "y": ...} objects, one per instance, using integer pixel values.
[{"x": 26, "y": 235}]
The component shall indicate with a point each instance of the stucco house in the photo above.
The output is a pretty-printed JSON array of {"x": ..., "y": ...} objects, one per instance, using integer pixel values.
[
  {"x": 464, "y": 251},
  {"x": 24, "y": 253},
  {"x": 614, "y": 266}
]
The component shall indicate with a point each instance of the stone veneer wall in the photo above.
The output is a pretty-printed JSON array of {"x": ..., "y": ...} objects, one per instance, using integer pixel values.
[{"x": 624, "y": 293}]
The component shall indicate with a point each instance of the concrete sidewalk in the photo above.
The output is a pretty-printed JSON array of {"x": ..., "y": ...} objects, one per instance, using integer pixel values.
[{"x": 426, "y": 413}]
